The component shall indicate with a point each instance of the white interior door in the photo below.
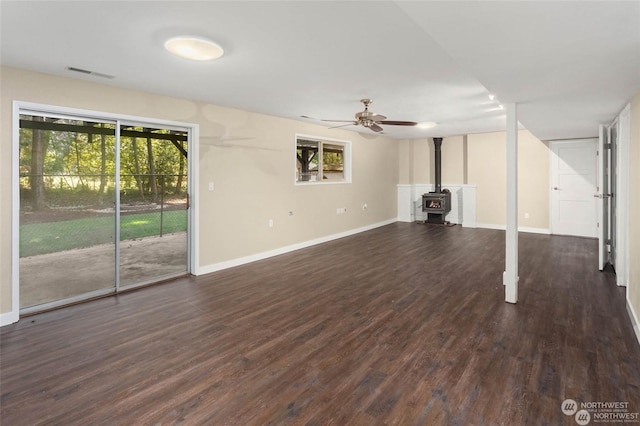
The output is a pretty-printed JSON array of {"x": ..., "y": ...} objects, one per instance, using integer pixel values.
[{"x": 573, "y": 186}]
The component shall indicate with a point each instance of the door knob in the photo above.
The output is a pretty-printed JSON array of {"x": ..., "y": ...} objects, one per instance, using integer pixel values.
[{"x": 555, "y": 188}]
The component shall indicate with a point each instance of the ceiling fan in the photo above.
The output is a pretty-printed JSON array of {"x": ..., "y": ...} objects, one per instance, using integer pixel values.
[{"x": 371, "y": 120}]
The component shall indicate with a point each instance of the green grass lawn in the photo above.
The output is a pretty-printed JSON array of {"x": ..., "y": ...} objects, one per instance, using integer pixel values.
[{"x": 51, "y": 237}]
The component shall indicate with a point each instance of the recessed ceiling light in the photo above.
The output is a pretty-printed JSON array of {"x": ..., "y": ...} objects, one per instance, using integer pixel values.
[
  {"x": 194, "y": 48},
  {"x": 426, "y": 125},
  {"x": 492, "y": 97}
]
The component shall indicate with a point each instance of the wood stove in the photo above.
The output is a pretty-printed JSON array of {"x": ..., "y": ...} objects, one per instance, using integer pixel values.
[
  {"x": 436, "y": 206},
  {"x": 437, "y": 203}
]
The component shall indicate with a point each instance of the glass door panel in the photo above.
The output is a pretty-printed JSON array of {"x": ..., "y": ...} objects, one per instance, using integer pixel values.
[
  {"x": 67, "y": 212},
  {"x": 153, "y": 205}
]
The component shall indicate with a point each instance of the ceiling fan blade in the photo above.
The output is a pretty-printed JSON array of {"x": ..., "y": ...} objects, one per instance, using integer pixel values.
[
  {"x": 398, "y": 123},
  {"x": 353, "y": 123},
  {"x": 375, "y": 127},
  {"x": 342, "y": 121}
]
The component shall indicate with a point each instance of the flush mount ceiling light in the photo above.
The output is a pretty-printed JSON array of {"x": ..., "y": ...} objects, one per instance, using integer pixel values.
[
  {"x": 194, "y": 48},
  {"x": 426, "y": 125}
]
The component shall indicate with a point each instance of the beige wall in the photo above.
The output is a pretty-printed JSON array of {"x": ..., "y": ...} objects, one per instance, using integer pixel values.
[
  {"x": 453, "y": 161},
  {"x": 634, "y": 207},
  {"x": 251, "y": 185},
  {"x": 414, "y": 161},
  {"x": 487, "y": 170},
  {"x": 416, "y": 158},
  {"x": 479, "y": 160},
  {"x": 533, "y": 181}
]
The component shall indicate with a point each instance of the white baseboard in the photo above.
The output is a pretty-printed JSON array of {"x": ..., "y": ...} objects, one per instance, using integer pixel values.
[
  {"x": 544, "y": 231},
  {"x": 282, "y": 250},
  {"x": 520, "y": 228},
  {"x": 634, "y": 320},
  {"x": 491, "y": 226},
  {"x": 9, "y": 318}
]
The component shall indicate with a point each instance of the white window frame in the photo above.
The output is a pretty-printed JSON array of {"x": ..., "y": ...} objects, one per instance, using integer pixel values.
[{"x": 346, "y": 156}]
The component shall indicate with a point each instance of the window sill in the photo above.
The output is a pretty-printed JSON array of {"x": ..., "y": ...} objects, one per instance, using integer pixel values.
[{"x": 334, "y": 182}]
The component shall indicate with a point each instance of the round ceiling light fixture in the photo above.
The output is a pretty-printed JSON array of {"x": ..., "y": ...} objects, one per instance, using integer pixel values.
[
  {"x": 426, "y": 125},
  {"x": 194, "y": 48}
]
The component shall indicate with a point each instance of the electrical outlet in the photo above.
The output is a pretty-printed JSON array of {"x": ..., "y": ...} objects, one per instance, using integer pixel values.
[
  {"x": 526, "y": 215},
  {"x": 210, "y": 186},
  {"x": 364, "y": 206},
  {"x": 270, "y": 223}
]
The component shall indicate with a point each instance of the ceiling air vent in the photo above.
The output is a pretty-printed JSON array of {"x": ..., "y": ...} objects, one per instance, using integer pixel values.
[{"x": 83, "y": 71}]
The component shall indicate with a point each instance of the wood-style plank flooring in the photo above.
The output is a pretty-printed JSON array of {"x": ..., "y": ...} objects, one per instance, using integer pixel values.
[{"x": 405, "y": 324}]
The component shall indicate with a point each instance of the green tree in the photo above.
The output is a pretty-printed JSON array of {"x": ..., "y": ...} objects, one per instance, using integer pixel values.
[{"x": 39, "y": 143}]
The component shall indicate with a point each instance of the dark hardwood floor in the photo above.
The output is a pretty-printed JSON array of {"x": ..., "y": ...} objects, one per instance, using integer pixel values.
[{"x": 405, "y": 324}]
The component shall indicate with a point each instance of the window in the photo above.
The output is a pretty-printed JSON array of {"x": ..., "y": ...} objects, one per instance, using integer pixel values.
[{"x": 322, "y": 160}]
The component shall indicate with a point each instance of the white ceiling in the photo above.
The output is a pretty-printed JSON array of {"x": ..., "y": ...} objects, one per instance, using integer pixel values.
[{"x": 569, "y": 65}]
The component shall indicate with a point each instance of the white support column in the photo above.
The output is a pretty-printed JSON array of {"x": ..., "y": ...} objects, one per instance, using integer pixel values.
[{"x": 510, "y": 276}]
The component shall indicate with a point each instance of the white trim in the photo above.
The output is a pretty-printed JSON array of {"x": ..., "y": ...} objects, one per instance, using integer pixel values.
[
  {"x": 27, "y": 107},
  {"x": 9, "y": 318},
  {"x": 527, "y": 229},
  {"x": 635, "y": 323},
  {"x": 469, "y": 203},
  {"x": 622, "y": 192},
  {"x": 530, "y": 230},
  {"x": 492, "y": 226},
  {"x": 68, "y": 301},
  {"x": 193, "y": 183},
  {"x": 603, "y": 200},
  {"x": 14, "y": 314},
  {"x": 286, "y": 249}
]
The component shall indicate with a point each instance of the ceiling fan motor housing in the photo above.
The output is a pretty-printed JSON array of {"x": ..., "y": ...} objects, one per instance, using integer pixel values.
[{"x": 371, "y": 120}]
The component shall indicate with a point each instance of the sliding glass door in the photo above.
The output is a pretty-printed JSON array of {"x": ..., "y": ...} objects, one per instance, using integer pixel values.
[
  {"x": 153, "y": 204},
  {"x": 103, "y": 207},
  {"x": 67, "y": 215}
]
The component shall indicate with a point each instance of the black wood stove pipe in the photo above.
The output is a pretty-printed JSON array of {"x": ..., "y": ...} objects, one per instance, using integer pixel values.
[{"x": 437, "y": 143}]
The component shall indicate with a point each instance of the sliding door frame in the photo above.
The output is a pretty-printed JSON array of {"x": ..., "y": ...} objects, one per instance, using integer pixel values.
[{"x": 20, "y": 107}]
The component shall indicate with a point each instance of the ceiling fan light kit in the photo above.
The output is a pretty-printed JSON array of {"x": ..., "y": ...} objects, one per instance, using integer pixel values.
[{"x": 371, "y": 120}]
